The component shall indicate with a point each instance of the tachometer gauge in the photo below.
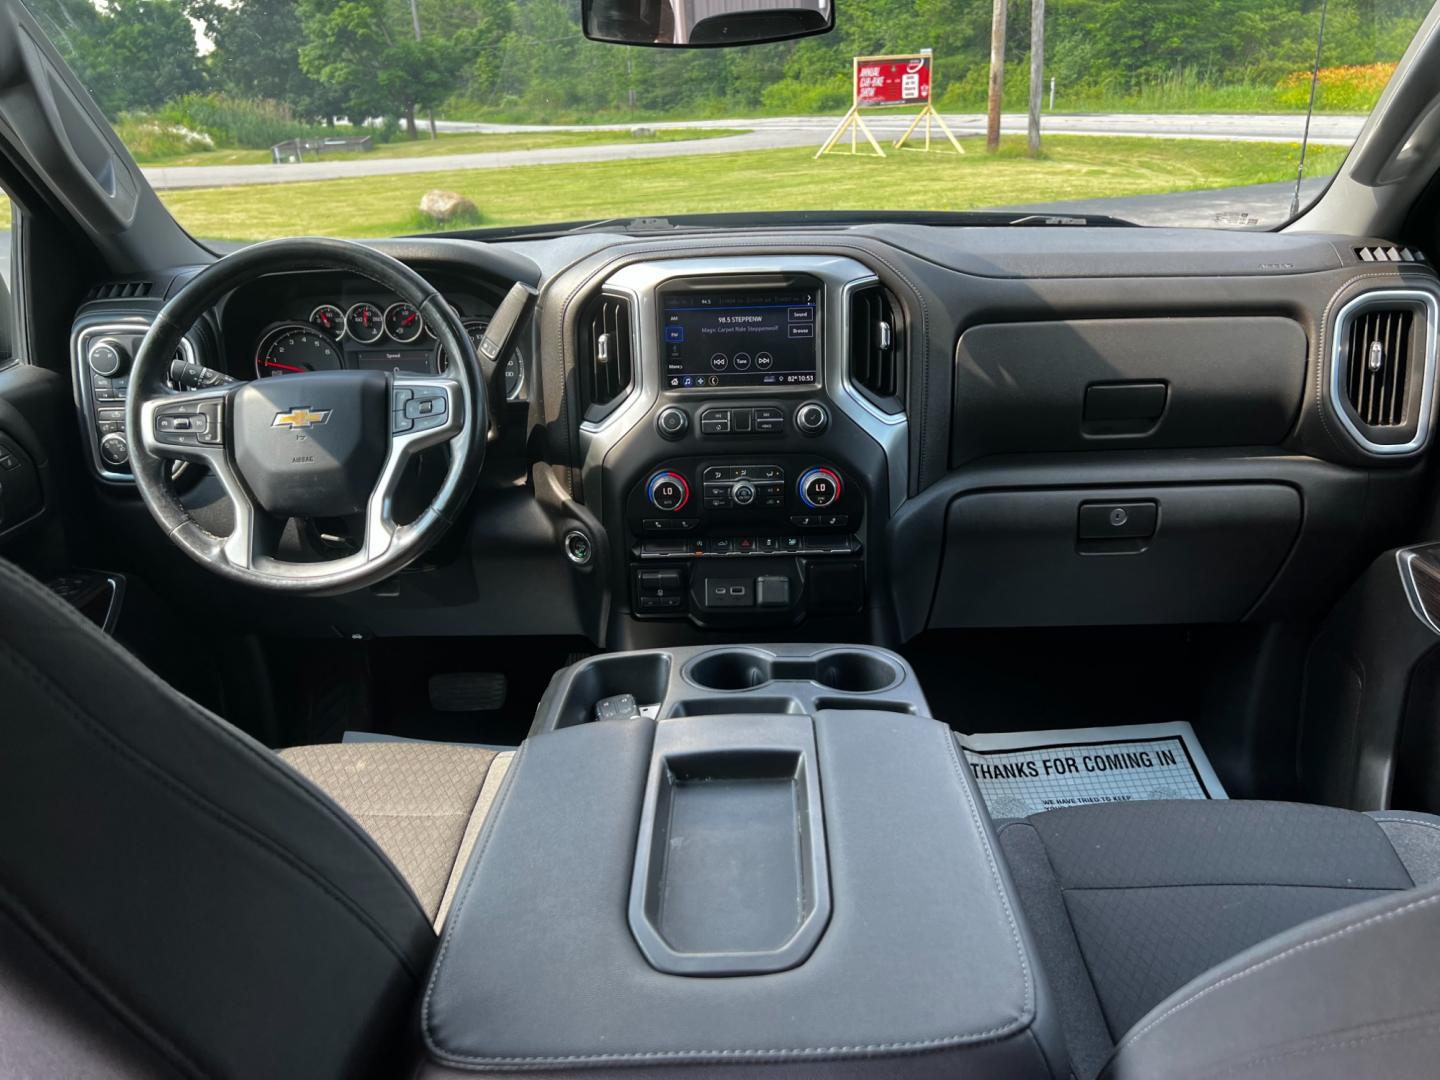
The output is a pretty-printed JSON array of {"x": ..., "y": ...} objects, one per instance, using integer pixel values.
[
  {"x": 403, "y": 322},
  {"x": 295, "y": 348},
  {"x": 365, "y": 323},
  {"x": 329, "y": 320}
]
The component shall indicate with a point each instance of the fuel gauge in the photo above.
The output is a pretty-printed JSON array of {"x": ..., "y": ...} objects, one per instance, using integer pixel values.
[{"x": 329, "y": 320}]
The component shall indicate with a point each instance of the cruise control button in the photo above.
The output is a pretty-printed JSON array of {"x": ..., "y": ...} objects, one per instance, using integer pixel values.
[{"x": 400, "y": 423}]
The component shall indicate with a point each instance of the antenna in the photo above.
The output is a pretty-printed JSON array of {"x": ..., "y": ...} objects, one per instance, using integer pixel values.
[{"x": 1310, "y": 110}]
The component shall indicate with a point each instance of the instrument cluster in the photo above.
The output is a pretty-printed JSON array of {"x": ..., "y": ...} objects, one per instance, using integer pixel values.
[{"x": 370, "y": 334}]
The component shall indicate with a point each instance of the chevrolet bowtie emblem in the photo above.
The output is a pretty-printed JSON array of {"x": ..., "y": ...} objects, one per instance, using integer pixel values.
[{"x": 296, "y": 419}]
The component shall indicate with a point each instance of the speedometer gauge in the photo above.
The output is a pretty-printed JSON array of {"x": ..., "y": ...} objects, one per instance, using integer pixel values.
[
  {"x": 365, "y": 323},
  {"x": 514, "y": 366},
  {"x": 329, "y": 320},
  {"x": 295, "y": 348},
  {"x": 403, "y": 322}
]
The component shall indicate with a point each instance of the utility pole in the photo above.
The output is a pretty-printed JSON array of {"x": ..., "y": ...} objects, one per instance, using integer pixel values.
[
  {"x": 415, "y": 21},
  {"x": 997, "y": 75},
  {"x": 1037, "y": 72}
]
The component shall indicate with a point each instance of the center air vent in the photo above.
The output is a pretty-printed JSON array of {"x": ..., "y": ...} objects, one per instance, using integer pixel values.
[
  {"x": 876, "y": 352},
  {"x": 607, "y": 367},
  {"x": 1383, "y": 367}
]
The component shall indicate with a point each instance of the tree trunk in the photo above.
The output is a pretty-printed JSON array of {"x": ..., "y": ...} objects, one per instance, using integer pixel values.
[
  {"x": 997, "y": 76},
  {"x": 411, "y": 132}
]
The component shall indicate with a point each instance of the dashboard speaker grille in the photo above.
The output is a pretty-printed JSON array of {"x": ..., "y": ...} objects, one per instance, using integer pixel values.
[
  {"x": 875, "y": 347},
  {"x": 606, "y": 351},
  {"x": 1380, "y": 352}
]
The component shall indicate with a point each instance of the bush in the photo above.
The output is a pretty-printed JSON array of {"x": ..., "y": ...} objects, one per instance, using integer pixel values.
[
  {"x": 251, "y": 124},
  {"x": 149, "y": 138},
  {"x": 796, "y": 98},
  {"x": 1353, "y": 88}
]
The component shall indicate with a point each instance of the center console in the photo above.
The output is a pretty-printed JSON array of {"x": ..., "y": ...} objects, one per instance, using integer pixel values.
[
  {"x": 745, "y": 476},
  {"x": 776, "y": 861}
]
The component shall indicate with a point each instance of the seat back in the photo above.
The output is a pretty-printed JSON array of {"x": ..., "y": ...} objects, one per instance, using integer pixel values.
[{"x": 176, "y": 879}]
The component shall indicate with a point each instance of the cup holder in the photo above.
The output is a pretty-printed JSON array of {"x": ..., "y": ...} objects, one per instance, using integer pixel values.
[{"x": 846, "y": 671}]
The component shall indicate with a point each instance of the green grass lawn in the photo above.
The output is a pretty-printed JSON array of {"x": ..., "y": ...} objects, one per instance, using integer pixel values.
[
  {"x": 1073, "y": 167},
  {"x": 452, "y": 144}
]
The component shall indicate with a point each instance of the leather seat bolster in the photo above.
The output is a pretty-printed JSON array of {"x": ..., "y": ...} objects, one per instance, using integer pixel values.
[
  {"x": 245, "y": 889},
  {"x": 1350, "y": 994}
]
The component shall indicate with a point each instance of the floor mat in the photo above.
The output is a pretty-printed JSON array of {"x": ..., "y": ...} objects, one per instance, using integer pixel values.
[{"x": 1027, "y": 772}]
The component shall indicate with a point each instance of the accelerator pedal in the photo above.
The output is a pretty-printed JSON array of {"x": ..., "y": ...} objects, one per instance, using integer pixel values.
[{"x": 468, "y": 691}]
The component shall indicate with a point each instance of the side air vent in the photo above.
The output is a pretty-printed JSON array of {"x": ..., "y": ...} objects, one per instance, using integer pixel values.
[
  {"x": 1383, "y": 368},
  {"x": 1389, "y": 253},
  {"x": 607, "y": 354},
  {"x": 876, "y": 348},
  {"x": 120, "y": 290},
  {"x": 1377, "y": 364}
]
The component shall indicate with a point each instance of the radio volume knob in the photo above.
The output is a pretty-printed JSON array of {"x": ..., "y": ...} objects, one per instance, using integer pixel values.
[
  {"x": 819, "y": 488},
  {"x": 672, "y": 423},
  {"x": 668, "y": 491}
]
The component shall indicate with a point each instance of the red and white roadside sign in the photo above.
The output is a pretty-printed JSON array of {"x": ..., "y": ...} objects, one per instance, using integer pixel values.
[{"x": 886, "y": 81}]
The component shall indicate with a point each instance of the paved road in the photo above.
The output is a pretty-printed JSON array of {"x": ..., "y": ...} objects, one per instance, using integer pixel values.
[{"x": 770, "y": 133}]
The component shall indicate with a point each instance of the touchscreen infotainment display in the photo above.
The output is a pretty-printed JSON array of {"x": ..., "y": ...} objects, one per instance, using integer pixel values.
[{"x": 762, "y": 337}]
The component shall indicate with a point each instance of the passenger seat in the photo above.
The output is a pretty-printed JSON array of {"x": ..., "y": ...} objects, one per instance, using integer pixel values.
[{"x": 1236, "y": 939}]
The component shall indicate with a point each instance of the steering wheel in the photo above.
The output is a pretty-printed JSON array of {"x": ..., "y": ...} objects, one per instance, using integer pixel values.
[{"x": 320, "y": 444}]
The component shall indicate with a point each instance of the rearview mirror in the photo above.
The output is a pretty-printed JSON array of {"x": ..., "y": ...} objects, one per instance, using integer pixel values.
[{"x": 704, "y": 24}]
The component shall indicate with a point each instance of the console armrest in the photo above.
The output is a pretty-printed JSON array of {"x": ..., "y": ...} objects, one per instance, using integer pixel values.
[{"x": 922, "y": 969}]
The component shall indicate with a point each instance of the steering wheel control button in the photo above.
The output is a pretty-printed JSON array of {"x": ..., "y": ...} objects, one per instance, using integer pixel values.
[
  {"x": 672, "y": 423},
  {"x": 668, "y": 491},
  {"x": 107, "y": 357},
  {"x": 819, "y": 487},
  {"x": 114, "y": 450},
  {"x": 812, "y": 418},
  {"x": 578, "y": 548}
]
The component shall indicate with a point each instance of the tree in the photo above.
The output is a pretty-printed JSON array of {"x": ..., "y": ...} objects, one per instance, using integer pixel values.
[
  {"x": 114, "y": 50},
  {"x": 366, "y": 51},
  {"x": 256, "y": 54}
]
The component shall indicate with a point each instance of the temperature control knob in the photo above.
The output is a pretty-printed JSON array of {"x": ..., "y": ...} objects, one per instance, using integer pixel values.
[
  {"x": 819, "y": 488},
  {"x": 107, "y": 357},
  {"x": 668, "y": 491}
]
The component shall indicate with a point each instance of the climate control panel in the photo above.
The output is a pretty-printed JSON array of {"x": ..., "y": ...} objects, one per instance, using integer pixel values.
[{"x": 781, "y": 534}]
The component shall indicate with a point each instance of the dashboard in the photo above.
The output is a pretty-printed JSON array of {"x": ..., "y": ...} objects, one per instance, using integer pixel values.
[{"x": 861, "y": 433}]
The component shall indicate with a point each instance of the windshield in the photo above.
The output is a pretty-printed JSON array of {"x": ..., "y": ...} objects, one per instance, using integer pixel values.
[{"x": 359, "y": 118}]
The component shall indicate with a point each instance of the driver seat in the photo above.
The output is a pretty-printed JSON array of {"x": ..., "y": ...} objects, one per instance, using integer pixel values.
[{"x": 177, "y": 899}]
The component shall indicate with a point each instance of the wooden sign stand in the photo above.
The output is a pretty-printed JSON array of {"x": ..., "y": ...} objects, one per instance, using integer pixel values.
[
  {"x": 854, "y": 123},
  {"x": 929, "y": 115}
]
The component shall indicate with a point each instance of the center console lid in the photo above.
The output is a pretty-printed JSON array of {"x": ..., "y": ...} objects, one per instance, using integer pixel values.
[{"x": 813, "y": 894}]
